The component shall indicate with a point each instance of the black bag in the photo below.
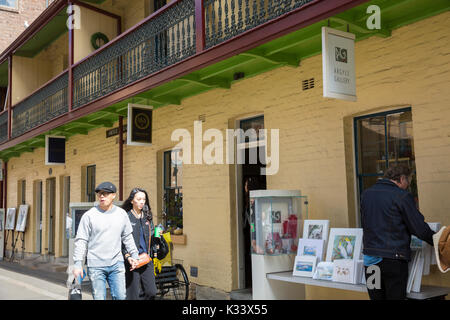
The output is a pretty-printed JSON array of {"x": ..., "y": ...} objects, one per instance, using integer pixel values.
[
  {"x": 159, "y": 247},
  {"x": 75, "y": 291}
]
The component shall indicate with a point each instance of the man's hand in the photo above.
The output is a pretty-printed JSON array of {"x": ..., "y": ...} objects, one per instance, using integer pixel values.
[
  {"x": 133, "y": 263},
  {"x": 77, "y": 272}
]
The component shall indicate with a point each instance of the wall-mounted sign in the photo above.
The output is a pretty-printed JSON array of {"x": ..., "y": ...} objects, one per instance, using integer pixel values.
[
  {"x": 115, "y": 131},
  {"x": 338, "y": 63},
  {"x": 55, "y": 150},
  {"x": 139, "y": 125}
]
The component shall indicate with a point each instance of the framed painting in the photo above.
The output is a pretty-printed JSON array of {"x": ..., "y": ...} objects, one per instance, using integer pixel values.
[
  {"x": 311, "y": 247},
  {"x": 304, "y": 266},
  {"x": 316, "y": 229},
  {"x": 10, "y": 219},
  {"x": 22, "y": 218},
  {"x": 344, "y": 243}
]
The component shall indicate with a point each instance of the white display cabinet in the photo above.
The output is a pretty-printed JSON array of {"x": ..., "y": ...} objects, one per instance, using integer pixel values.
[{"x": 276, "y": 222}]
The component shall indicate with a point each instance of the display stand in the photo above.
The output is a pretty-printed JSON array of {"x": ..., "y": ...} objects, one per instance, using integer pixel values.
[
  {"x": 276, "y": 220},
  {"x": 426, "y": 292},
  {"x": 14, "y": 243},
  {"x": 8, "y": 232}
]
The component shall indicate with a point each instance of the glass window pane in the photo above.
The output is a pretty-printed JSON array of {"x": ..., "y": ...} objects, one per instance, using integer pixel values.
[
  {"x": 367, "y": 182},
  {"x": 251, "y": 127},
  {"x": 400, "y": 137},
  {"x": 372, "y": 148},
  {"x": 9, "y": 3}
]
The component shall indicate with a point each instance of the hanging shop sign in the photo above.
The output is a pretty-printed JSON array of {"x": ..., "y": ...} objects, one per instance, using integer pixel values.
[
  {"x": 139, "y": 123},
  {"x": 55, "y": 150},
  {"x": 338, "y": 63}
]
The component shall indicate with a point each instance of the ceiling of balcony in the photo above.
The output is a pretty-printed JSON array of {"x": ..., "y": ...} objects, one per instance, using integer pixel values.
[
  {"x": 288, "y": 50},
  {"x": 4, "y": 74},
  {"x": 44, "y": 37}
]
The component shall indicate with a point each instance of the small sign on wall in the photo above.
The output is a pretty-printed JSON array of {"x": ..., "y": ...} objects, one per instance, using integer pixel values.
[
  {"x": 338, "y": 63},
  {"x": 139, "y": 124},
  {"x": 55, "y": 150}
]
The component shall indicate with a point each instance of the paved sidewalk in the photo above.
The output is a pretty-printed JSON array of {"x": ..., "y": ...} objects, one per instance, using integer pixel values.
[{"x": 29, "y": 285}]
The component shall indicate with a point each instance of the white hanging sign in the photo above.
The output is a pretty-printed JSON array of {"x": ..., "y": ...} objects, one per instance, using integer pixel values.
[{"x": 338, "y": 63}]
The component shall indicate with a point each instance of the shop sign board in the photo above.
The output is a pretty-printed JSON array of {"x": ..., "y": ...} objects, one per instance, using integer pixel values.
[
  {"x": 338, "y": 63},
  {"x": 140, "y": 125}
]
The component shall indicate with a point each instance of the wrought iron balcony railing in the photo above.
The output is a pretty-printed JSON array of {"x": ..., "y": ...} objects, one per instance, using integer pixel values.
[
  {"x": 158, "y": 43},
  {"x": 167, "y": 37},
  {"x": 45, "y": 104},
  {"x": 225, "y": 19}
]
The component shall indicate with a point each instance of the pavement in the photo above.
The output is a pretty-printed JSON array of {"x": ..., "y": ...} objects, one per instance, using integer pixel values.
[{"x": 33, "y": 279}]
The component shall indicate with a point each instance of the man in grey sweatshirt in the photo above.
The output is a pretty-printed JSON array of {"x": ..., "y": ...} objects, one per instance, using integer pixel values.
[{"x": 100, "y": 234}]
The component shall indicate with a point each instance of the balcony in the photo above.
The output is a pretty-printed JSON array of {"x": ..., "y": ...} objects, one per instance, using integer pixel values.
[{"x": 185, "y": 48}]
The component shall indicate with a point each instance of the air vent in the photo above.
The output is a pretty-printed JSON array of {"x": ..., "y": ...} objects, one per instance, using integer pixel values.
[
  {"x": 308, "y": 84},
  {"x": 202, "y": 117}
]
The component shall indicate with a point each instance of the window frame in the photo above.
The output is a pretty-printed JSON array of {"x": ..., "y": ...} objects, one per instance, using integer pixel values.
[
  {"x": 8, "y": 8},
  {"x": 359, "y": 176}
]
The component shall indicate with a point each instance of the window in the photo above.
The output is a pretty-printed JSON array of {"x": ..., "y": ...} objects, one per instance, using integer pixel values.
[
  {"x": 90, "y": 183},
  {"x": 381, "y": 140},
  {"x": 21, "y": 192},
  {"x": 9, "y": 3},
  {"x": 173, "y": 192}
]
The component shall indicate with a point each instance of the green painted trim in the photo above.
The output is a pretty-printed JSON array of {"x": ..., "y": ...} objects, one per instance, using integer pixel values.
[{"x": 288, "y": 50}]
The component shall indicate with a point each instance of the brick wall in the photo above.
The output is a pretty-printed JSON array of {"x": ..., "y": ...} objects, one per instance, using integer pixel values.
[{"x": 12, "y": 21}]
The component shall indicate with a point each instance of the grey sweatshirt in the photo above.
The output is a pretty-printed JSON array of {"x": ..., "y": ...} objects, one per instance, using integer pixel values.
[{"x": 101, "y": 234}]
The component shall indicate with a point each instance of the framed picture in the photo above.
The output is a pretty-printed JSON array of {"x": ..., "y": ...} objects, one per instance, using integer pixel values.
[
  {"x": 348, "y": 270},
  {"x": 311, "y": 247},
  {"x": 304, "y": 266},
  {"x": 324, "y": 271},
  {"x": 10, "y": 219},
  {"x": 344, "y": 270},
  {"x": 22, "y": 218},
  {"x": 316, "y": 229},
  {"x": 344, "y": 243}
]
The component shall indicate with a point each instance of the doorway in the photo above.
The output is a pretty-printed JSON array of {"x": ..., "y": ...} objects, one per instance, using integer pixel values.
[
  {"x": 50, "y": 205},
  {"x": 65, "y": 213},
  {"x": 37, "y": 199},
  {"x": 252, "y": 146}
]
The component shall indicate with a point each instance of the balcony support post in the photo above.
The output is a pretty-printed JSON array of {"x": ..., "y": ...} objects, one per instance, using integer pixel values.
[
  {"x": 10, "y": 61},
  {"x": 199, "y": 26},
  {"x": 70, "y": 63}
]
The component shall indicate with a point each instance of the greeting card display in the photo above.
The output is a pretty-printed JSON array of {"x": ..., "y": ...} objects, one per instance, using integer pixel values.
[{"x": 304, "y": 266}]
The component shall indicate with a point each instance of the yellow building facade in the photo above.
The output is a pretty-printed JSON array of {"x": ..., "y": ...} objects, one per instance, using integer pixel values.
[{"x": 316, "y": 151}]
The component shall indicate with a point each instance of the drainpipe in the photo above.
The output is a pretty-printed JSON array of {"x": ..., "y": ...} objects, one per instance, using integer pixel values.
[{"x": 120, "y": 158}]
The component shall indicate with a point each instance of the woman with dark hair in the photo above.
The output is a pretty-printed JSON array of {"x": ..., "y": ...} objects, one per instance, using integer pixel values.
[{"x": 138, "y": 209}]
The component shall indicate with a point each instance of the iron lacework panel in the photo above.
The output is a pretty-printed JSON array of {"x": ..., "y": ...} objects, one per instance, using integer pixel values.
[
  {"x": 158, "y": 43},
  {"x": 42, "y": 106},
  {"x": 224, "y": 19},
  {"x": 3, "y": 127}
]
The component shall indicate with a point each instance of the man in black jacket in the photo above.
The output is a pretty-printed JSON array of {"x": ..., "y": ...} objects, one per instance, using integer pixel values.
[{"x": 389, "y": 217}]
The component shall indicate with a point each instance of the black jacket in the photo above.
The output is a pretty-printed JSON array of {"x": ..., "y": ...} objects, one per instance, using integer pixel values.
[
  {"x": 389, "y": 217},
  {"x": 136, "y": 225}
]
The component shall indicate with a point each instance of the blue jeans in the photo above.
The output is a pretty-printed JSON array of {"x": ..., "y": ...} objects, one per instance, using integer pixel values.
[{"x": 114, "y": 275}]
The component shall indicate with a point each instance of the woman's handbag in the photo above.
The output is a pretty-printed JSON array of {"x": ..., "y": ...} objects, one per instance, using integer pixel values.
[{"x": 143, "y": 260}]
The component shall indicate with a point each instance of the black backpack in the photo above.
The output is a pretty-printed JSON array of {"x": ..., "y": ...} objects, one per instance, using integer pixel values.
[{"x": 159, "y": 247}]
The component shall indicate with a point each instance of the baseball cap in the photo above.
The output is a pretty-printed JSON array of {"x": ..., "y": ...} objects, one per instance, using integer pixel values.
[{"x": 106, "y": 186}]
